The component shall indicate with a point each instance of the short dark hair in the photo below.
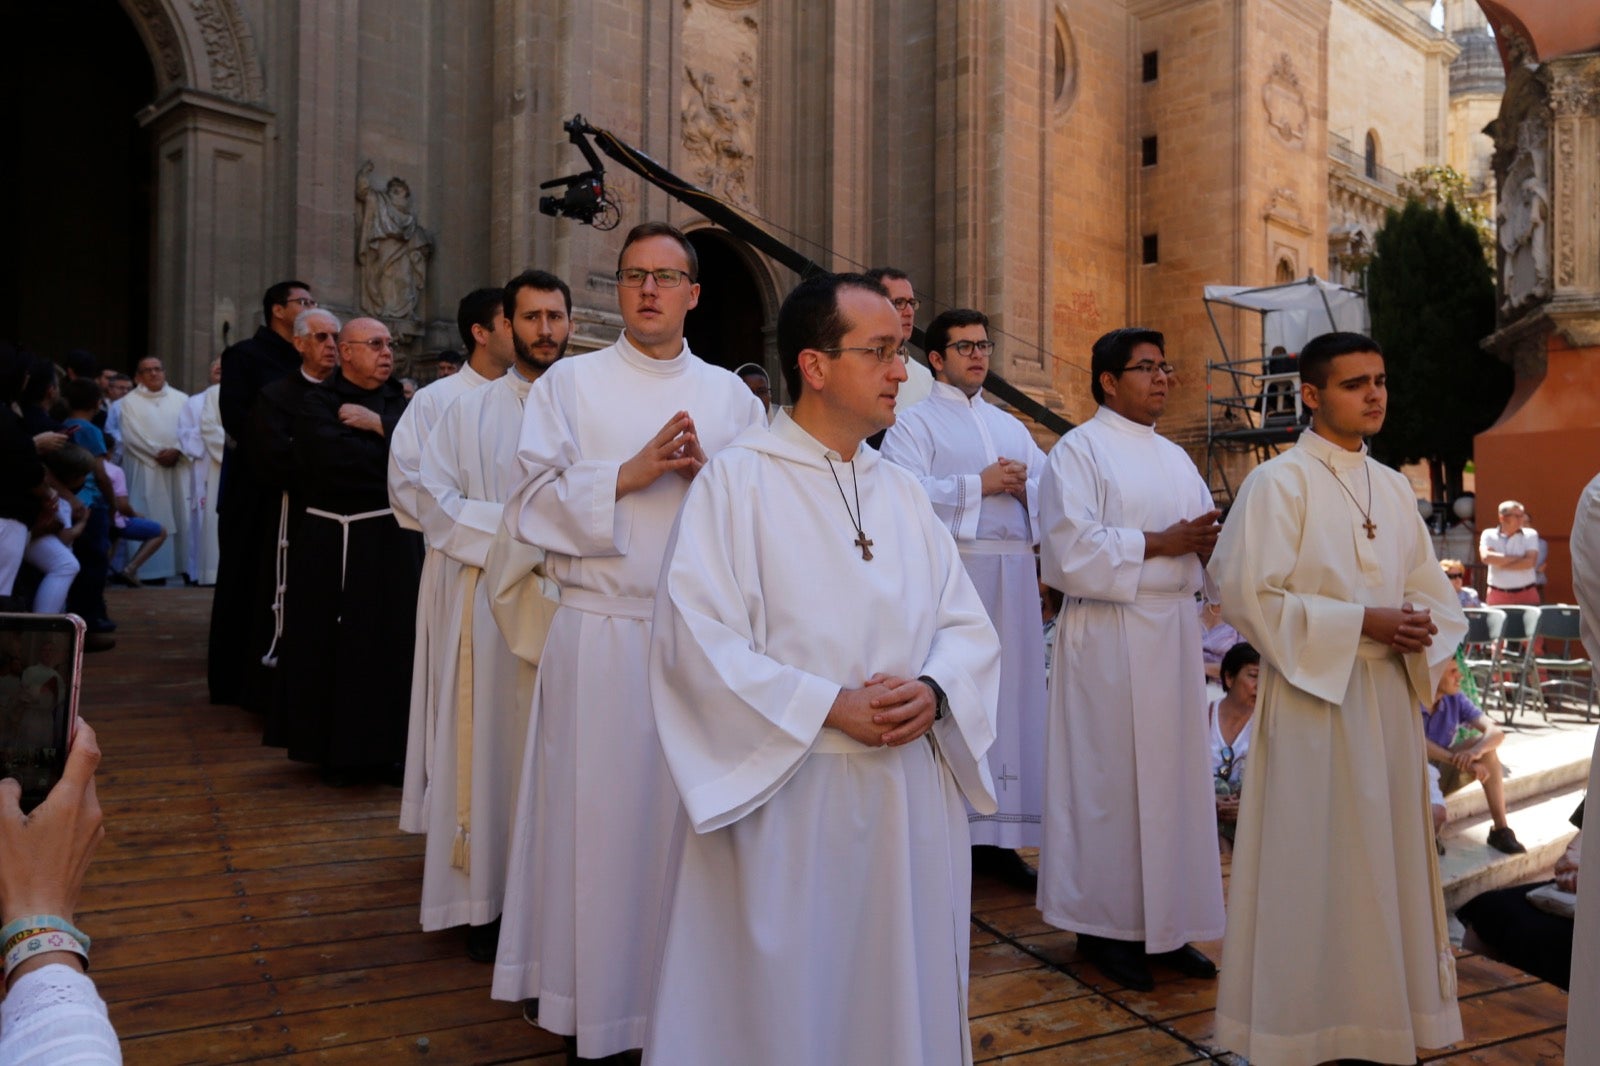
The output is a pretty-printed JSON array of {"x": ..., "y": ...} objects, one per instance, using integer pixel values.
[
  {"x": 478, "y": 308},
  {"x": 937, "y": 335},
  {"x": 41, "y": 375},
  {"x": 449, "y": 355},
  {"x": 80, "y": 394},
  {"x": 886, "y": 273},
  {"x": 1237, "y": 658},
  {"x": 810, "y": 318},
  {"x": 1320, "y": 352},
  {"x": 1112, "y": 351},
  {"x": 542, "y": 281},
  {"x": 82, "y": 364},
  {"x": 662, "y": 229},
  {"x": 69, "y": 462},
  {"x": 278, "y": 295}
]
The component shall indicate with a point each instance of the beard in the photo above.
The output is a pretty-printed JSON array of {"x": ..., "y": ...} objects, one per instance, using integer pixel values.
[{"x": 533, "y": 359}]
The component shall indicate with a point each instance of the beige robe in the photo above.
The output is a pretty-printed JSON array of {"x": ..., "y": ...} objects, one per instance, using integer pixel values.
[
  {"x": 1583, "y": 1004},
  {"x": 201, "y": 436},
  {"x": 1336, "y": 944},
  {"x": 159, "y": 493}
]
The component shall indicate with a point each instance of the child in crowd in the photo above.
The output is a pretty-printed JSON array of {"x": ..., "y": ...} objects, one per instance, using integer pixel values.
[
  {"x": 1230, "y": 732},
  {"x": 1461, "y": 742}
]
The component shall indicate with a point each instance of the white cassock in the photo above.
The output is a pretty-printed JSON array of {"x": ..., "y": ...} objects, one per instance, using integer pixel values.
[
  {"x": 947, "y": 442},
  {"x": 469, "y": 468},
  {"x": 1130, "y": 824},
  {"x": 160, "y": 493},
  {"x": 1583, "y": 1006},
  {"x": 114, "y": 430},
  {"x": 433, "y": 663},
  {"x": 917, "y": 386},
  {"x": 1337, "y": 946},
  {"x": 822, "y": 898},
  {"x": 203, "y": 440},
  {"x": 595, "y": 811}
]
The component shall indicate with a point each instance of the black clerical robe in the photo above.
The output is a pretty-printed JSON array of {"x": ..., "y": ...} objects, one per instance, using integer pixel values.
[{"x": 352, "y": 598}]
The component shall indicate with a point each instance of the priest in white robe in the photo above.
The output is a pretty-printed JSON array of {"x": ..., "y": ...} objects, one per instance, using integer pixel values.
[
  {"x": 1337, "y": 946},
  {"x": 480, "y": 319},
  {"x": 1583, "y": 1004},
  {"x": 824, "y": 677},
  {"x": 469, "y": 469},
  {"x": 609, "y": 443},
  {"x": 157, "y": 469},
  {"x": 980, "y": 469},
  {"x": 1129, "y": 860},
  {"x": 203, "y": 440}
]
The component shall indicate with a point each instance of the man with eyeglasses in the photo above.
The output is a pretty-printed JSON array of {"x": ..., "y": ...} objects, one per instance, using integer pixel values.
[
  {"x": 1512, "y": 551},
  {"x": 351, "y": 601},
  {"x": 1129, "y": 860},
  {"x": 610, "y": 442},
  {"x": 980, "y": 469},
  {"x": 157, "y": 469},
  {"x": 247, "y": 508},
  {"x": 919, "y": 380}
]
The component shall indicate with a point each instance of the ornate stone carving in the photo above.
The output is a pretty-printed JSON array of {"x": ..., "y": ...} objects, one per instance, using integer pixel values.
[
  {"x": 717, "y": 130},
  {"x": 1523, "y": 216},
  {"x": 230, "y": 50},
  {"x": 1285, "y": 101},
  {"x": 1575, "y": 87},
  {"x": 151, "y": 16},
  {"x": 393, "y": 254}
]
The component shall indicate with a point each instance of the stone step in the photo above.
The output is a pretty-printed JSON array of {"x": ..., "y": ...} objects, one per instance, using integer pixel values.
[
  {"x": 1534, "y": 765},
  {"x": 1470, "y": 866}
]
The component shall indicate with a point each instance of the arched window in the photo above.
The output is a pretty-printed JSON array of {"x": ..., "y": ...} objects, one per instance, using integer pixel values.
[
  {"x": 1372, "y": 155},
  {"x": 1064, "y": 63},
  {"x": 1285, "y": 271}
]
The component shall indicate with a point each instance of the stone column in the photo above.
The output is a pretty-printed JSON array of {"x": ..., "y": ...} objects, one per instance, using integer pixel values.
[{"x": 1546, "y": 445}]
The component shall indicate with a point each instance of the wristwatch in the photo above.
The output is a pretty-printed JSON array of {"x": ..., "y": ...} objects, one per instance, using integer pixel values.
[{"x": 941, "y": 702}]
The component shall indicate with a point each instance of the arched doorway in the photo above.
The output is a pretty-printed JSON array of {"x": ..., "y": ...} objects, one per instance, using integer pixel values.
[
  {"x": 77, "y": 226},
  {"x": 729, "y": 327}
]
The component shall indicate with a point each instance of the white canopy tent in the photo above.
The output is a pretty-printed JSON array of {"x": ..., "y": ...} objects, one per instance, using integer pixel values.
[{"x": 1292, "y": 313}]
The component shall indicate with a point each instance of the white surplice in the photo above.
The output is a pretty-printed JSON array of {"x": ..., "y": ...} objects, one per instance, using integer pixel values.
[
  {"x": 947, "y": 441},
  {"x": 822, "y": 898},
  {"x": 469, "y": 469},
  {"x": 159, "y": 493},
  {"x": 203, "y": 440},
  {"x": 595, "y": 811},
  {"x": 1130, "y": 827},
  {"x": 1583, "y": 1003},
  {"x": 434, "y": 600},
  {"x": 1336, "y": 946}
]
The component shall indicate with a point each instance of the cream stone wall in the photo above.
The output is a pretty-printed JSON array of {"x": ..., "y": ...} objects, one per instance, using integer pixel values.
[{"x": 1383, "y": 63}]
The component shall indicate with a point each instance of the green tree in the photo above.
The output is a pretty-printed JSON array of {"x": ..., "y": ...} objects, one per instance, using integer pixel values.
[{"x": 1432, "y": 300}]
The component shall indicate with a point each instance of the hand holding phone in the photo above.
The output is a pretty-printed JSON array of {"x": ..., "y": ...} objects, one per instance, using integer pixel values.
[
  {"x": 41, "y": 660},
  {"x": 44, "y": 855}
]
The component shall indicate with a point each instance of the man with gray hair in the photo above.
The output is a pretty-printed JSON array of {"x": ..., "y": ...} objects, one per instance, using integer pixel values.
[{"x": 1512, "y": 551}]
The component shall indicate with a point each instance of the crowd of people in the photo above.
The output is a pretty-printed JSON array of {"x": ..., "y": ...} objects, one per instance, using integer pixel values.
[{"x": 709, "y": 708}]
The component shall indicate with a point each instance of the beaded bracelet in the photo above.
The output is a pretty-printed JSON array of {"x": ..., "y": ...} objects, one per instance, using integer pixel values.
[
  {"x": 46, "y": 942},
  {"x": 34, "y": 923}
]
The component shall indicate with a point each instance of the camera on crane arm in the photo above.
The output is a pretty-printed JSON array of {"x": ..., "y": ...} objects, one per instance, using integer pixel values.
[{"x": 584, "y": 198}]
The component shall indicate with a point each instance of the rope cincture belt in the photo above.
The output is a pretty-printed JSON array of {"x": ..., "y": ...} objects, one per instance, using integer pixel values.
[
  {"x": 281, "y": 574},
  {"x": 461, "y": 847},
  {"x": 344, "y": 521}
]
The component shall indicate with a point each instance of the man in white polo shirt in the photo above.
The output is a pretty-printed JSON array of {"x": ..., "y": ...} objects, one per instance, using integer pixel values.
[{"x": 1512, "y": 553}]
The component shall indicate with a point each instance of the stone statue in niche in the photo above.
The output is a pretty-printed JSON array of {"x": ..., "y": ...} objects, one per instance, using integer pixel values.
[
  {"x": 717, "y": 125},
  {"x": 393, "y": 252},
  {"x": 1523, "y": 217},
  {"x": 1285, "y": 102}
]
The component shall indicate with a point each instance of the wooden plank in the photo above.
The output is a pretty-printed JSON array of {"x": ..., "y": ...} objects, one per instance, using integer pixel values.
[{"x": 1031, "y": 1028}]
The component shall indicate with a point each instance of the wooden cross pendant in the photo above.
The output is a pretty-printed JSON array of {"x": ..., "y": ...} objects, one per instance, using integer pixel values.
[
  {"x": 1372, "y": 529},
  {"x": 866, "y": 545}
]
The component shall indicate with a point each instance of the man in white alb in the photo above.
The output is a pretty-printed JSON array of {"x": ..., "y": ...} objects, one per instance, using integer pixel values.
[
  {"x": 609, "y": 444},
  {"x": 824, "y": 677},
  {"x": 469, "y": 468},
  {"x": 1337, "y": 946},
  {"x": 1129, "y": 860},
  {"x": 981, "y": 468},
  {"x": 481, "y": 321},
  {"x": 1583, "y": 1004},
  {"x": 203, "y": 440},
  {"x": 1512, "y": 551},
  {"x": 157, "y": 469},
  {"x": 919, "y": 380}
]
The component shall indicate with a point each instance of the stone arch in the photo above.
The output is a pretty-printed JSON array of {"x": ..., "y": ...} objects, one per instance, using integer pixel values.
[
  {"x": 204, "y": 45},
  {"x": 738, "y": 323}
]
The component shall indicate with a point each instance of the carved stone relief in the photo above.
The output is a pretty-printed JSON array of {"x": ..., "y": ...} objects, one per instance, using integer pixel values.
[
  {"x": 392, "y": 254},
  {"x": 231, "y": 68},
  {"x": 1523, "y": 216},
  {"x": 720, "y": 97},
  {"x": 1285, "y": 101},
  {"x": 1575, "y": 103},
  {"x": 151, "y": 16}
]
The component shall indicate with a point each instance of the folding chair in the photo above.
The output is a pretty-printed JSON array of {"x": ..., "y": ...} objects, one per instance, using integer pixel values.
[
  {"x": 1480, "y": 650},
  {"x": 1558, "y": 667},
  {"x": 1513, "y": 660}
]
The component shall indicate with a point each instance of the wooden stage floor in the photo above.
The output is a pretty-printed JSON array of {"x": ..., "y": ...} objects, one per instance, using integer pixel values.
[{"x": 243, "y": 911}]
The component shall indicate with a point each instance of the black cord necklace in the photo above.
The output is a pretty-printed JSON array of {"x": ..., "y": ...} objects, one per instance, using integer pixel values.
[{"x": 861, "y": 535}]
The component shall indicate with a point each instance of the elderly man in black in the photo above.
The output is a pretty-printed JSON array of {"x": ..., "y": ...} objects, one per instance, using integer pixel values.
[{"x": 352, "y": 595}]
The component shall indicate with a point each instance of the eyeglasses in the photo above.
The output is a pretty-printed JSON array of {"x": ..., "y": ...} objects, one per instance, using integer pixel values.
[
  {"x": 883, "y": 353},
  {"x": 323, "y": 337},
  {"x": 304, "y": 301},
  {"x": 666, "y": 277},
  {"x": 966, "y": 348},
  {"x": 1455, "y": 576},
  {"x": 377, "y": 344},
  {"x": 1149, "y": 368},
  {"x": 903, "y": 302}
]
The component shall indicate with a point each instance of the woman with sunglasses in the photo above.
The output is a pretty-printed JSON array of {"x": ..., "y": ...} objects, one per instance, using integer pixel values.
[
  {"x": 1456, "y": 571},
  {"x": 1230, "y": 732}
]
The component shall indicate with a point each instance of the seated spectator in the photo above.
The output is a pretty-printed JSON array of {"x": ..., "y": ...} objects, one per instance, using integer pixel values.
[
  {"x": 49, "y": 551},
  {"x": 128, "y": 524},
  {"x": 1456, "y": 571},
  {"x": 1461, "y": 741},
  {"x": 87, "y": 598},
  {"x": 1528, "y": 933},
  {"x": 22, "y": 486},
  {"x": 73, "y": 468},
  {"x": 1230, "y": 732},
  {"x": 1216, "y": 637}
]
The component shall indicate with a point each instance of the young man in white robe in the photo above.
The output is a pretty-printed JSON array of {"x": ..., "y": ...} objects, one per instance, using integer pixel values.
[
  {"x": 157, "y": 469},
  {"x": 204, "y": 441},
  {"x": 469, "y": 469},
  {"x": 980, "y": 469},
  {"x": 1583, "y": 1003},
  {"x": 824, "y": 677},
  {"x": 1337, "y": 946},
  {"x": 609, "y": 444},
  {"x": 481, "y": 321},
  {"x": 1129, "y": 860}
]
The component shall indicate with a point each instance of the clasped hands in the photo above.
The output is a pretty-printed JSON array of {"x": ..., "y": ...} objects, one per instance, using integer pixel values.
[
  {"x": 1189, "y": 536},
  {"x": 1009, "y": 476},
  {"x": 886, "y": 711},
  {"x": 1406, "y": 628},
  {"x": 357, "y": 417},
  {"x": 675, "y": 449}
]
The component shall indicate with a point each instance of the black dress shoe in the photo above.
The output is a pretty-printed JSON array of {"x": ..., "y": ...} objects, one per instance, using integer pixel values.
[
  {"x": 483, "y": 941},
  {"x": 1120, "y": 960},
  {"x": 1504, "y": 840},
  {"x": 1004, "y": 864},
  {"x": 1188, "y": 961},
  {"x": 530, "y": 1012}
]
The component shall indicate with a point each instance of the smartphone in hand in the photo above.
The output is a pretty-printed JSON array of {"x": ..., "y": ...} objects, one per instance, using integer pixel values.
[{"x": 41, "y": 667}]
